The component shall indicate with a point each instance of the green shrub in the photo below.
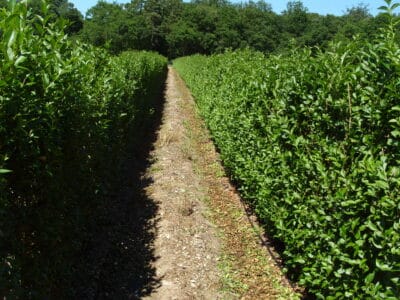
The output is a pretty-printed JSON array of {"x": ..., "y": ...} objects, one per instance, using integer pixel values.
[
  {"x": 67, "y": 115},
  {"x": 312, "y": 139}
]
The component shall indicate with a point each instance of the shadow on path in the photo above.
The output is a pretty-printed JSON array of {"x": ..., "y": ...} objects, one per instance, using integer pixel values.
[{"x": 118, "y": 261}]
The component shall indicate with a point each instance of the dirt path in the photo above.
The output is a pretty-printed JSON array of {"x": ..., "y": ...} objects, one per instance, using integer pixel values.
[
  {"x": 193, "y": 258},
  {"x": 186, "y": 244}
]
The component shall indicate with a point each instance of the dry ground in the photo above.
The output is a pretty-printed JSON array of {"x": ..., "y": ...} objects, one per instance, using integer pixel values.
[
  {"x": 186, "y": 244},
  {"x": 207, "y": 245}
]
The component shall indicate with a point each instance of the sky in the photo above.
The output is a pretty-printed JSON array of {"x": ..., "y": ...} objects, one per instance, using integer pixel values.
[{"x": 323, "y": 7}]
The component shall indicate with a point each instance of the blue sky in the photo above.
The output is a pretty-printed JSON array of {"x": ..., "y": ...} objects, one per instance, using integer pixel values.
[{"x": 336, "y": 7}]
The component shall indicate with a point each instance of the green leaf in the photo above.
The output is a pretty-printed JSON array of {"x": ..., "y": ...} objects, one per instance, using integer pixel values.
[
  {"x": 5, "y": 171},
  {"x": 20, "y": 60},
  {"x": 12, "y": 39},
  {"x": 394, "y": 6},
  {"x": 372, "y": 226},
  {"x": 382, "y": 184},
  {"x": 370, "y": 277},
  {"x": 11, "y": 5},
  {"x": 396, "y": 133},
  {"x": 382, "y": 266},
  {"x": 10, "y": 54}
]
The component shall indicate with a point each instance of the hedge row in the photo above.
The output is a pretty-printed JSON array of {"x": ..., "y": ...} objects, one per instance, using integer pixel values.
[
  {"x": 67, "y": 114},
  {"x": 312, "y": 139}
]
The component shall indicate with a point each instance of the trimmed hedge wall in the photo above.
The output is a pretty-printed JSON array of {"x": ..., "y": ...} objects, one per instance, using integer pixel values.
[
  {"x": 312, "y": 139},
  {"x": 68, "y": 112}
]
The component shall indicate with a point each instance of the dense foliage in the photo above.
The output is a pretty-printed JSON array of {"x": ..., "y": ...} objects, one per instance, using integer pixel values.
[
  {"x": 58, "y": 9},
  {"x": 67, "y": 115},
  {"x": 312, "y": 139},
  {"x": 177, "y": 28}
]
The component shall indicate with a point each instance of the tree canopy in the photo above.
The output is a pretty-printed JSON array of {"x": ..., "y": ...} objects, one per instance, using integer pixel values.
[{"x": 175, "y": 28}]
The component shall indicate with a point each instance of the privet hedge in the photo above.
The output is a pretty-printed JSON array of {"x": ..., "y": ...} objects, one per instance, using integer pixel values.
[
  {"x": 67, "y": 114},
  {"x": 312, "y": 138}
]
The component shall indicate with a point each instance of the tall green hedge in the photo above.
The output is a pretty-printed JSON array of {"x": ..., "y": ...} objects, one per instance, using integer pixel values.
[
  {"x": 67, "y": 115},
  {"x": 312, "y": 138}
]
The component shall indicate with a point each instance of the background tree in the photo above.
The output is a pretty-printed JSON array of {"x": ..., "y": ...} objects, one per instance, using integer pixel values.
[
  {"x": 175, "y": 28},
  {"x": 295, "y": 18},
  {"x": 106, "y": 24},
  {"x": 67, "y": 10},
  {"x": 228, "y": 28},
  {"x": 183, "y": 39},
  {"x": 356, "y": 21},
  {"x": 320, "y": 30},
  {"x": 202, "y": 19},
  {"x": 260, "y": 26}
]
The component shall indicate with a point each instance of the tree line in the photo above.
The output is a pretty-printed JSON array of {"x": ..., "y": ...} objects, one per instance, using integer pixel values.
[{"x": 175, "y": 28}]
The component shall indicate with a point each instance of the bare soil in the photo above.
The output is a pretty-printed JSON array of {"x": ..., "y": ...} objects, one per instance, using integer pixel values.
[
  {"x": 208, "y": 243},
  {"x": 186, "y": 244}
]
